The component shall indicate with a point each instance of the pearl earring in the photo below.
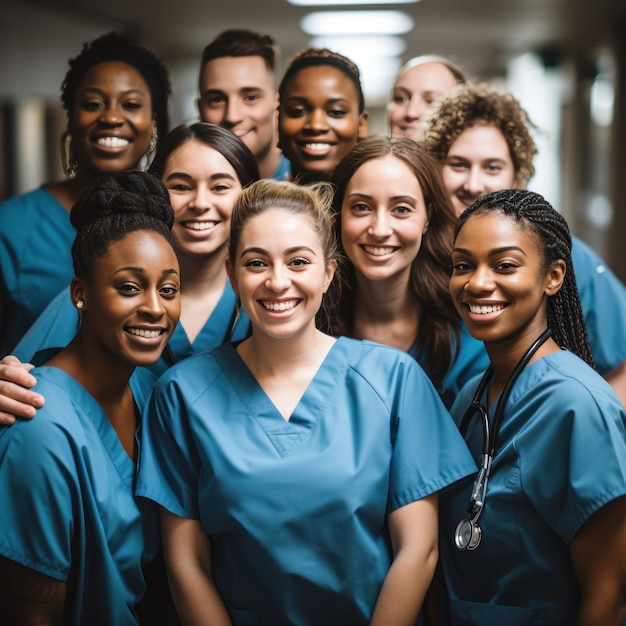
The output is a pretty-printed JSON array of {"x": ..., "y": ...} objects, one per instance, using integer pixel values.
[{"x": 80, "y": 304}]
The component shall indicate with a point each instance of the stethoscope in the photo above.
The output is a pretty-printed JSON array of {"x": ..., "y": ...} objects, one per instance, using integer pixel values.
[{"x": 468, "y": 534}]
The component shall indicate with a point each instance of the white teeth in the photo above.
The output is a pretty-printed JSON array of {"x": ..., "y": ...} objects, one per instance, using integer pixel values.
[
  {"x": 151, "y": 334},
  {"x": 200, "y": 225},
  {"x": 485, "y": 309},
  {"x": 317, "y": 147},
  {"x": 113, "y": 142},
  {"x": 279, "y": 306},
  {"x": 378, "y": 251}
]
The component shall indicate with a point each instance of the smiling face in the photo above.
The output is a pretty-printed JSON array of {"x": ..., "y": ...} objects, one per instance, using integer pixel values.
[
  {"x": 415, "y": 92},
  {"x": 132, "y": 304},
  {"x": 238, "y": 93},
  {"x": 478, "y": 162},
  {"x": 499, "y": 284},
  {"x": 280, "y": 278},
  {"x": 112, "y": 121},
  {"x": 319, "y": 119},
  {"x": 383, "y": 217},
  {"x": 203, "y": 187}
]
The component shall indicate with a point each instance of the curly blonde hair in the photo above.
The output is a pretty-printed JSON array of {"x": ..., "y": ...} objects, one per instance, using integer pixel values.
[{"x": 481, "y": 104}]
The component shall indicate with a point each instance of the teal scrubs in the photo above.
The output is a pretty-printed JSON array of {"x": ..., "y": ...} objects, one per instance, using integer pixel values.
[
  {"x": 67, "y": 507},
  {"x": 603, "y": 300},
  {"x": 469, "y": 358},
  {"x": 35, "y": 260},
  {"x": 296, "y": 510},
  {"x": 57, "y": 326},
  {"x": 561, "y": 456}
]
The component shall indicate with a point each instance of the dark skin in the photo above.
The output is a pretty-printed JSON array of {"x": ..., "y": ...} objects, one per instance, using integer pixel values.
[{"x": 28, "y": 598}]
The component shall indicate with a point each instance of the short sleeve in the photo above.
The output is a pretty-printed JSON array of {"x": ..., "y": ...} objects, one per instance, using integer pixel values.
[
  {"x": 428, "y": 451},
  {"x": 603, "y": 300},
  {"x": 573, "y": 461},
  {"x": 169, "y": 465},
  {"x": 38, "y": 495}
]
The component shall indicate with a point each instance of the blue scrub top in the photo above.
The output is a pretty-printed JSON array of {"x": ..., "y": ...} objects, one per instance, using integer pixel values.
[
  {"x": 58, "y": 324},
  {"x": 561, "y": 456},
  {"x": 283, "y": 171},
  {"x": 296, "y": 510},
  {"x": 35, "y": 260},
  {"x": 469, "y": 358},
  {"x": 67, "y": 508},
  {"x": 603, "y": 300}
]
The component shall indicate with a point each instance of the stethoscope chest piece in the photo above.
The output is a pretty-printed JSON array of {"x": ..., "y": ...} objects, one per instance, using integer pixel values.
[{"x": 467, "y": 535}]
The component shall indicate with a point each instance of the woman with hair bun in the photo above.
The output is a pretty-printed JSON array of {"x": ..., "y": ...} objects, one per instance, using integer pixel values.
[{"x": 76, "y": 545}]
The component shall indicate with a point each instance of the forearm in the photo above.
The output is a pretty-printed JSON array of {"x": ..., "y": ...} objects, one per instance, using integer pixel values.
[
  {"x": 403, "y": 591},
  {"x": 196, "y": 599}
]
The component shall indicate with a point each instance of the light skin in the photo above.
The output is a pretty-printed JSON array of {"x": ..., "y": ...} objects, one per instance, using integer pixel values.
[
  {"x": 383, "y": 219},
  {"x": 417, "y": 89},
  {"x": 111, "y": 125},
  {"x": 497, "y": 264},
  {"x": 319, "y": 120},
  {"x": 239, "y": 94},
  {"x": 203, "y": 187},
  {"x": 478, "y": 162},
  {"x": 281, "y": 281},
  {"x": 131, "y": 307}
]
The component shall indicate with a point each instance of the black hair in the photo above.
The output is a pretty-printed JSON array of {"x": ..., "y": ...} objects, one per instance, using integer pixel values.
[
  {"x": 565, "y": 316},
  {"x": 224, "y": 141},
  {"x": 113, "y": 206},
  {"x": 118, "y": 47},
  {"x": 315, "y": 57}
]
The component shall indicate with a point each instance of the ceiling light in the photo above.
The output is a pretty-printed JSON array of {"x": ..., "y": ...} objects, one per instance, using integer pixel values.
[
  {"x": 354, "y": 45},
  {"x": 320, "y": 3},
  {"x": 356, "y": 22}
]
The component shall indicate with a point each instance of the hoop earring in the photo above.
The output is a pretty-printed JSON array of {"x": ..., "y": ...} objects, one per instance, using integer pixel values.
[
  {"x": 151, "y": 151},
  {"x": 69, "y": 162}
]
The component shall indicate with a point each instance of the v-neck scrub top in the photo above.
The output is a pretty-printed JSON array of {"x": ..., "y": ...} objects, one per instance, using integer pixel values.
[
  {"x": 561, "y": 456},
  {"x": 296, "y": 510},
  {"x": 67, "y": 505}
]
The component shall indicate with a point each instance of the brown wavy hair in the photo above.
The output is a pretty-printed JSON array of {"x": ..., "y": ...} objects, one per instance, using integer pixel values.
[{"x": 431, "y": 268}]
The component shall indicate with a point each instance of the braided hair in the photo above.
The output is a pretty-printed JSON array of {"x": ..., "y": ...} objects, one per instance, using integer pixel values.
[
  {"x": 565, "y": 316},
  {"x": 111, "y": 208}
]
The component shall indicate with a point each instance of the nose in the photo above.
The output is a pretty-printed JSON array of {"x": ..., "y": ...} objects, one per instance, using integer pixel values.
[
  {"x": 414, "y": 109},
  {"x": 200, "y": 201},
  {"x": 474, "y": 183},
  {"x": 112, "y": 116},
  {"x": 233, "y": 113},
  {"x": 480, "y": 280},
  {"x": 278, "y": 279},
  {"x": 151, "y": 305},
  {"x": 379, "y": 227},
  {"x": 316, "y": 121}
]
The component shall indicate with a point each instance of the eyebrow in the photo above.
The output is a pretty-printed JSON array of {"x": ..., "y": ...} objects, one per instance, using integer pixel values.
[
  {"x": 221, "y": 92},
  {"x": 128, "y": 92},
  {"x": 185, "y": 175},
  {"x": 329, "y": 101},
  {"x": 357, "y": 195},
  {"x": 142, "y": 270},
  {"x": 493, "y": 251},
  {"x": 292, "y": 250}
]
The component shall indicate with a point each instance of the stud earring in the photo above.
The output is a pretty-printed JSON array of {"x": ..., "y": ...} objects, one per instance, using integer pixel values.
[{"x": 80, "y": 304}]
